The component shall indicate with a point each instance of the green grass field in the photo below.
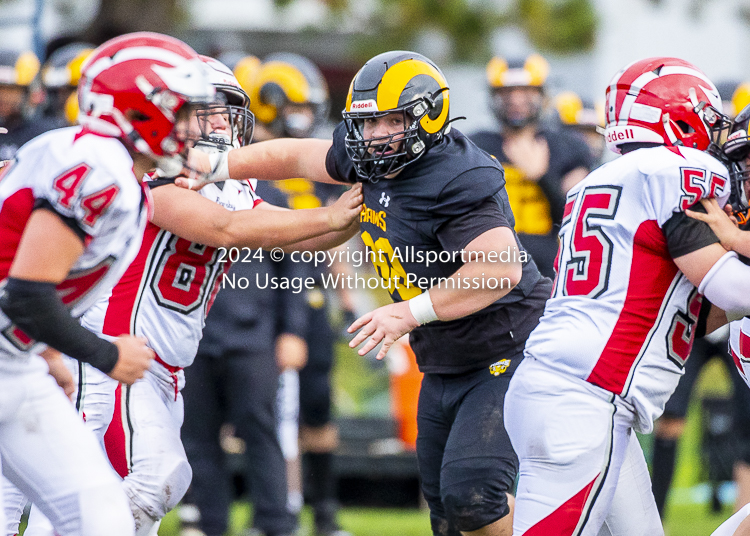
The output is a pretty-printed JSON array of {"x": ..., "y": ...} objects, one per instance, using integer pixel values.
[{"x": 683, "y": 520}]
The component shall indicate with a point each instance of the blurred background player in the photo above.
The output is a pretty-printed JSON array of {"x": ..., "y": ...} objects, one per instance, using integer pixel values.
[
  {"x": 60, "y": 75},
  {"x": 288, "y": 96},
  {"x": 19, "y": 91},
  {"x": 671, "y": 425},
  {"x": 582, "y": 119},
  {"x": 540, "y": 165},
  {"x": 291, "y": 97},
  {"x": 292, "y": 101},
  {"x": 235, "y": 380}
]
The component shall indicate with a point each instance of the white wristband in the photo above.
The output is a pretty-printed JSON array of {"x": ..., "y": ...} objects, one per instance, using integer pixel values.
[
  {"x": 422, "y": 309},
  {"x": 219, "y": 166}
]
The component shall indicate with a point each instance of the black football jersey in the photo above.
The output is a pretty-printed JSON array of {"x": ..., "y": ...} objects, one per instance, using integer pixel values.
[{"x": 416, "y": 226}]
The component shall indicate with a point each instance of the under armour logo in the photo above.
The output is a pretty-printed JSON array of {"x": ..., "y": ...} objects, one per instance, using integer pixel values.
[{"x": 384, "y": 199}]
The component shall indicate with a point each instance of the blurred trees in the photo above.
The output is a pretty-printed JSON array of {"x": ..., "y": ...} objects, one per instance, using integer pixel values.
[
  {"x": 116, "y": 17},
  {"x": 468, "y": 25},
  {"x": 464, "y": 28}
]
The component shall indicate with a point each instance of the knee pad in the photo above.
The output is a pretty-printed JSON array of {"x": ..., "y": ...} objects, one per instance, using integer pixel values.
[
  {"x": 474, "y": 503},
  {"x": 155, "y": 495},
  {"x": 176, "y": 485}
]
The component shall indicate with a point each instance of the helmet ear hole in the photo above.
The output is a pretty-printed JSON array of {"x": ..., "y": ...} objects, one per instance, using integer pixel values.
[
  {"x": 136, "y": 115},
  {"x": 684, "y": 127}
]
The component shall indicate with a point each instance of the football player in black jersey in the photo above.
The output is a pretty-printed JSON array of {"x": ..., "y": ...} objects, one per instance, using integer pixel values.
[
  {"x": 541, "y": 165},
  {"x": 440, "y": 227}
]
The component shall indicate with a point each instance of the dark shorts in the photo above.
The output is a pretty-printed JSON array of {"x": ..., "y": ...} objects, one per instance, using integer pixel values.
[{"x": 466, "y": 461}]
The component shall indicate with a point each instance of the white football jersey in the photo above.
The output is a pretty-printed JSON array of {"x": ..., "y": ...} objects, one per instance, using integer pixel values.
[
  {"x": 621, "y": 315},
  {"x": 739, "y": 346},
  {"x": 167, "y": 291},
  {"x": 88, "y": 180}
]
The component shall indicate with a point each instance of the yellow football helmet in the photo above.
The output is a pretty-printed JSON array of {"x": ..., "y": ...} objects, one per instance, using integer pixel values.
[
  {"x": 60, "y": 76},
  {"x": 18, "y": 68},
  {"x": 397, "y": 81},
  {"x": 505, "y": 75},
  {"x": 574, "y": 112},
  {"x": 288, "y": 79}
]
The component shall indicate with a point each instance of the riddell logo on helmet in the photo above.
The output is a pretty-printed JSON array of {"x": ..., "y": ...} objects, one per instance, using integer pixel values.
[
  {"x": 621, "y": 135},
  {"x": 368, "y": 105}
]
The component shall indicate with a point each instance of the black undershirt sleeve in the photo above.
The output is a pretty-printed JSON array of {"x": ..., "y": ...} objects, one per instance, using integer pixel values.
[
  {"x": 159, "y": 182},
  {"x": 36, "y": 308},
  {"x": 685, "y": 235}
]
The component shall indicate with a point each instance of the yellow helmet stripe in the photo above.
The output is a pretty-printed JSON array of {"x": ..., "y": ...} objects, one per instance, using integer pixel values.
[
  {"x": 75, "y": 66},
  {"x": 245, "y": 71},
  {"x": 495, "y": 70},
  {"x": 27, "y": 67},
  {"x": 348, "y": 106},
  {"x": 394, "y": 81},
  {"x": 291, "y": 80},
  {"x": 538, "y": 69}
]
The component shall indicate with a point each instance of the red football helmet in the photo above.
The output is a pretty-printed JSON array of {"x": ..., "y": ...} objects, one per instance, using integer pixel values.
[
  {"x": 134, "y": 86},
  {"x": 663, "y": 100}
]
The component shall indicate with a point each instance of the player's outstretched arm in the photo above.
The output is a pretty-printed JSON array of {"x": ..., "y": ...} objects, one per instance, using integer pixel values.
[
  {"x": 45, "y": 255},
  {"x": 725, "y": 227},
  {"x": 449, "y": 301},
  {"x": 331, "y": 239},
  {"x": 283, "y": 158},
  {"x": 195, "y": 218}
]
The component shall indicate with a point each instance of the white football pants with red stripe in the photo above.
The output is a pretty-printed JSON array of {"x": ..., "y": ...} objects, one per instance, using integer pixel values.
[
  {"x": 576, "y": 449},
  {"x": 145, "y": 434},
  {"x": 50, "y": 456},
  {"x": 95, "y": 401}
]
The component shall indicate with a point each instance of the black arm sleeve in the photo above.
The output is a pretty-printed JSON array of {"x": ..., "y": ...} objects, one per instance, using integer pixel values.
[
  {"x": 685, "y": 235},
  {"x": 37, "y": 310}
]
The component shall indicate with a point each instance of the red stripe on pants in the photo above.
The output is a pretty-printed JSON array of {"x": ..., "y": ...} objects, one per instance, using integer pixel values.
[
  {"x": 564, "y": 520},
  {"x": 114, "y": 438}
]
